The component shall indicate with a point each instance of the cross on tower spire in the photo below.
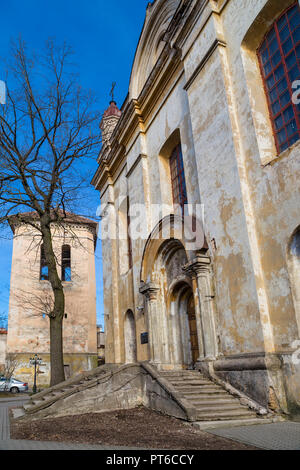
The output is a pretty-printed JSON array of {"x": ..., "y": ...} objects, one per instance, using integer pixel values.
[{"x": 112, "y": 91}]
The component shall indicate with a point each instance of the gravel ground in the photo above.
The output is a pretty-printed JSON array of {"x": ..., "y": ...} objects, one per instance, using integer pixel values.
[{"x": 141, "y": 428}]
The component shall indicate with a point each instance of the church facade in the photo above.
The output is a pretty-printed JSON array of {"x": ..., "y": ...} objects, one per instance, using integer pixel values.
[{"x": 199, "y": 183}]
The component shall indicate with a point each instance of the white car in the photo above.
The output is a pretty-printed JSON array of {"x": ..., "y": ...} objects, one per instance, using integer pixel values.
[{"x": 12, "y": 385}]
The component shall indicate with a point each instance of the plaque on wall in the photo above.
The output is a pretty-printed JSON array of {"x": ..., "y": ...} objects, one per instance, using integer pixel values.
[{"x": 144, "y": 338}]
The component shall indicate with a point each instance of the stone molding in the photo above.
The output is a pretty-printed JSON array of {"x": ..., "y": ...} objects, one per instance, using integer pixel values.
[
  {"x": 200, "y": 264},
  {"x": 150, "y": 291}
]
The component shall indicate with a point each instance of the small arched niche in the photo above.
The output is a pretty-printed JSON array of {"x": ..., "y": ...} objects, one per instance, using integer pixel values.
[
  {"x": 294, "y": 272},
  {"x": 130, "y": 338}
]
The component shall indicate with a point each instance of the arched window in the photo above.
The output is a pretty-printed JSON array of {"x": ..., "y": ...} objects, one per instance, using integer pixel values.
[
  {"x": 66, "y": 263},
  {"x": 177, "y": 177},
  {"x": 44, "y": 273},
  {"x": 279, "y": 57}
]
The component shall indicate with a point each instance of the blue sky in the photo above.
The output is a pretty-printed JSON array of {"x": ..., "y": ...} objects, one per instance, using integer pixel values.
[{"x": 103, "y": 35}]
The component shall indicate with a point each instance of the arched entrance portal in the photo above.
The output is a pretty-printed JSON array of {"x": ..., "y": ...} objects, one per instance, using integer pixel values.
[
  {"x": 130, "y": 338},
  {"x": 179, "y": 310},
  {"x": 185, "y": 343}
]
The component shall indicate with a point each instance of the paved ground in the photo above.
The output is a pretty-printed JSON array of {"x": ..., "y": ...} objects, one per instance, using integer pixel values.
[
  {"x": 5, "y": 404},
  {"x": 277, "y": 436},
  {"x": 35, "y": 445}
]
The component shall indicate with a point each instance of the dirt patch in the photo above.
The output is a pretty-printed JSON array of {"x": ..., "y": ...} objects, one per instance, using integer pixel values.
[
  {"x": 6, "y": 395},
  {"x": 141, "y": 428}
]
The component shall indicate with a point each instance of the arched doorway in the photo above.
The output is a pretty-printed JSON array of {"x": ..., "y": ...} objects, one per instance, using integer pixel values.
[
  {"x": 177, "y": 288},
  {"x": 185, "y": 343},
  {"x": 130, "y": 338}
]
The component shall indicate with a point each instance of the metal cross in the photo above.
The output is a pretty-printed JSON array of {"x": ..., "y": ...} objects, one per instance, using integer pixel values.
[{"x": 112, "y": 91}]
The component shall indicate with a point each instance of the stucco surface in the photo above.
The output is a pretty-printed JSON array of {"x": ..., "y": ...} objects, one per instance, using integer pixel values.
[{"x": 205, "y": 91}]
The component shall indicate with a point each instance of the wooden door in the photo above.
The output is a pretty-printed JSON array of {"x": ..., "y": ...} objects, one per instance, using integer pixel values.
[{"x": 193, "y": 329}]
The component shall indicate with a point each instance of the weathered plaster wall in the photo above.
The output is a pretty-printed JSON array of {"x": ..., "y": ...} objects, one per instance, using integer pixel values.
[
  {"x": 120, "y": 388},
  {"x": 274, "y": 188},
  {"x": 28, "y": 328},
  {"x": 224, "y": 212},
  {"x": 214, "y": 101},
  {"x": 270, "y": 181}
]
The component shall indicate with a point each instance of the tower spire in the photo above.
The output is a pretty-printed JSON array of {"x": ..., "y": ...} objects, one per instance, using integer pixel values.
[{"x": 110, "y": 117}]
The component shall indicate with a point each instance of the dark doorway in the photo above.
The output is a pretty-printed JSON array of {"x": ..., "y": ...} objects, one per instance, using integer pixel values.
[{"x": 193, "y": 328}]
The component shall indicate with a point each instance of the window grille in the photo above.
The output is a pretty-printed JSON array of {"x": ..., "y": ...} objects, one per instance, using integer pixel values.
[{"x": 279, "y": 58}]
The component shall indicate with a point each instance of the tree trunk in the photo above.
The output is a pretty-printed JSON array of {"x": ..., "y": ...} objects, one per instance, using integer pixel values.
[
  {"x": 56, "y": 352},
  {"x": 57, "y": 315}
]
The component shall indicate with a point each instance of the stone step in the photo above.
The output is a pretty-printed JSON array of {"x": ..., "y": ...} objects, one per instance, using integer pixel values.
[
  {"x": 49, "y": 396},
  {"x": 213, "y": 401},
  {"x": 186, "y": 377},
  {"x": 18, "y": 412},
  {"x": 191, "y": 382},
  {"x": 28, "y": 407},
  {"x": 212, "y": 424},
  {"x": 199, "y": 388},
  {"x": 38, "y": 402},
  {"x": 183, "y": 377},
  {"x": 217, "y": 407},
  {"x": 204, "y": 391},
  {"x": 180, "y": 372},
  {"x": 226, "y": 415}
]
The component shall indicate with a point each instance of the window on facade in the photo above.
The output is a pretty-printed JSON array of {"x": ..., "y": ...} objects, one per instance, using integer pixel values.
[
  {"x": 177, "y": 177},
  {"x": 66, "y": 263},
  {"x": 44, "y": 274},
  {"x": 129, "y": 237},
  {"x": 279, "y": 57}
]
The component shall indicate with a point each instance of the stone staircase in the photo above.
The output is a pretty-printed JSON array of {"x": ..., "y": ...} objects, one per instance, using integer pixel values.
[
  {"x": 210, "y": 401},
  {"x": 50, "y": 396},
  {"x": 186, "y": 394}
]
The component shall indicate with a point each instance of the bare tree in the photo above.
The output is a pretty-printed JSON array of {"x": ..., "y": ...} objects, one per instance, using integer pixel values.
[
  {"x": 11, "y": 364},
  {"x": 48, "y": 130}
]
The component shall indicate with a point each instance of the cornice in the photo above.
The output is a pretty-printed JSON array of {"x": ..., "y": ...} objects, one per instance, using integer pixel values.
[
  {"x": 191, "y": 14},
  {"x": 178, "y": 18},
  {"x": 161, "y": 75},
  {"x": 200, "y": 66},
  {"x": 136, "y": 111},
  {"x": 138, "y": 159},
  {"x": 131, "y": 120}
]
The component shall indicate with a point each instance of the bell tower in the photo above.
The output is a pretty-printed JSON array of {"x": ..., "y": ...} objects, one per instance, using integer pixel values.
[{"x": 110, "y": 119}]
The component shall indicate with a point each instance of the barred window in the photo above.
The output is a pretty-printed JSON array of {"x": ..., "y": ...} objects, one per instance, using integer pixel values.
[
  {"x": 279, "y": 57},
  {"x": 177, "y": 177},
  {"x": 66, "y": 263}
]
